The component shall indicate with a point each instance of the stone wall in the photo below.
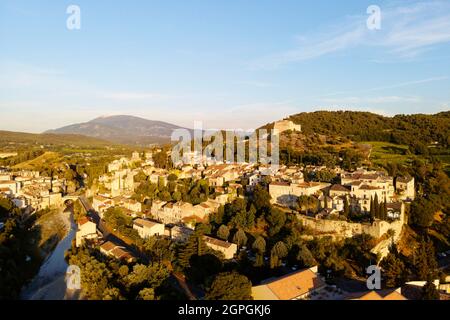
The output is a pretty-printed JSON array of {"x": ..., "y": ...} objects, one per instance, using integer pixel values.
[{"x": 343, "y": 229}]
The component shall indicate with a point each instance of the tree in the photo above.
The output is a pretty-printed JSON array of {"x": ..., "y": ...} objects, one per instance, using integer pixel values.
[
  {"x": 111, "y": 293},
  {"x": 223, "y": 232},
  {"x": 278, "y": 252},
  {"x": 94, "y": 275},
  {"x": 172, "y": 177},
  {"x": 176, "y": 196},
  {"x": 123, "y": 271},
  {"x": 425, "y": 263},
  {"x": 146, "y": 294},
  {"x": 376, "y": 207},
  {"x": 146, "y": 276},
  {"x": 276, "y": 219},
  {"x": 230, "y": 286},
  {"x": 259, "y": 247},
  {"x": 429, "y": 291},
  {"x": 393, "y": 270},
  {"x": 194, "y": 246},
  {"x": 346, "y": 208},
  {"x": 240, "y": 238},
  {"x": 372, "y": 208},
  {"x": 305, "y": 257},
  {"x": 261, "y": 198},
  {"x": 422, "y": 212}
]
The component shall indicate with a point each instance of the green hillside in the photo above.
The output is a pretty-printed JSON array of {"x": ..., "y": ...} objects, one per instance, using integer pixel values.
[
  {"x": 416, "y": 130},
  {"x": 9, "y": 138}
]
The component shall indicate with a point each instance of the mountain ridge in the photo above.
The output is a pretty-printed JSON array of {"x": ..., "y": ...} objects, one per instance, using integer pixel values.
[{"x": 124, "y": 129}]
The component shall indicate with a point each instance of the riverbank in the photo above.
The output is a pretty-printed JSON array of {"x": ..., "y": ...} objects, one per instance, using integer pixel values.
[{"x": 49, "y": 283}]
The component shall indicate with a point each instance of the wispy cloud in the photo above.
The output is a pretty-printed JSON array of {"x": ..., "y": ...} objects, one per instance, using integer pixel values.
[
  {"x": 372, "y": 100},
  {"x": 15, "y": 75},
  {"x": 258, "y": 84},
  {"x": 407, "y": 31},
  {"x": 390, "y": 86},
  {"x": 128, "y": 96}
]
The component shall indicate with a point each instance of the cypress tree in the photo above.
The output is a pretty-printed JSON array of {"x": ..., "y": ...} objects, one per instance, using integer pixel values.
[
  {"x": 376, "y": 205},
  {"x": 346, "y": 208},
  {"x": 372, "y": 207}
]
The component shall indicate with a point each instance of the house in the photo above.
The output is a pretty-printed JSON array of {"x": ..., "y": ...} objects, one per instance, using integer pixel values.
[
  {"x": 111, "y": 249},
  {"x": 299, "y": 285},
  {"x": 395, "y": 210},
  {"x": 285, "y": 193},
  {"x": 178, "y": 233},
  {"x": 227, "y": 248},
  {"x": 9, "y": 184},
  {"x": 339, "y": 190},
  {"x": 375, "y": 180},
  {"x": 405, "y": 188},
  {"x": 147, "y": 228},
  {"x": 99, "y": 203},
  {"x": 129, "y": 204},
  {"x": 87, "y": 230}
]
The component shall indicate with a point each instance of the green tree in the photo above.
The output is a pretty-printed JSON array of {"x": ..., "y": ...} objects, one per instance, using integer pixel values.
[
  {"x": 259, "y": 247},
  {"x": 276, "y": 219},
  {"x": 223, "y": 232},
  {"x": 422, "y": 212},
  {"x": 278, "y": 252},
  {"x": 146, "y": 294},
  {"x": 346, "y": 212},
  {"x": 240, "y": 238},
  {"x": 305, "y": 257},
  {"x": 429, "y": 291},
  {"x": 425, "y": 263},
  {"x": 261, "y": 198},
  {"x": 393, "y": 270},
  {"x": 229, "y": 286},
  {"x": 194, "y": 246}
]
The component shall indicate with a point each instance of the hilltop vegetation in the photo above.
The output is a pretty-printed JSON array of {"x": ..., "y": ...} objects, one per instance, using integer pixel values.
[
  {"x": 9, "y": 139},
  {"x": 351, "y": 139},
  {"x": 412, "y": 130}
]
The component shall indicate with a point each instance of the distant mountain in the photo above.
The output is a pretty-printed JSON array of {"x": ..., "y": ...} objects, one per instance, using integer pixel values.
[
  {"x": 10, "y": 138},
  {"x": 123, "y": 129}
]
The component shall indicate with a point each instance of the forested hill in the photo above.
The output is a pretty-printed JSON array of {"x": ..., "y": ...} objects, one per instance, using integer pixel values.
[
  {"x": 13, "y": 139},
  {"x": 366, "y": 126}
]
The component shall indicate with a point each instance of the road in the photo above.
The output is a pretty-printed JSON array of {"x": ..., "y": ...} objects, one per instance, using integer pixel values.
[{"x": 108, "y": 233}]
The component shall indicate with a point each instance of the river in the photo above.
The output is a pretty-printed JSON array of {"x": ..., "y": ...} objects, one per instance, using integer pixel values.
[{"x": 50, "y": 283}]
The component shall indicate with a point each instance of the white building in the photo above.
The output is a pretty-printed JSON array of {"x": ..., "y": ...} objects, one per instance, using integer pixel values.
[{"x": 147, "y": 228}]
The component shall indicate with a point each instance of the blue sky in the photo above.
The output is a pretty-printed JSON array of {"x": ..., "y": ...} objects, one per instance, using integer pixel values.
[{"x": 228, "y": 63}]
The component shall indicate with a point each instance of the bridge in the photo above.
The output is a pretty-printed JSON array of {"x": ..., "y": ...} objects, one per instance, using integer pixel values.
[{"x": 70, "y": 197}]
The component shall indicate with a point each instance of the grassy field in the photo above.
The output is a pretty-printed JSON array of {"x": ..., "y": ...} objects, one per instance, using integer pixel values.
[
  {"x": 385, "y": 152},
  {"x": 48, "y": 158}
]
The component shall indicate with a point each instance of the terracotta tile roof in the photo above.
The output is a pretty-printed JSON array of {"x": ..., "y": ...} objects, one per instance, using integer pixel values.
[
  {"x": 108, "y": 246},
  {"x": 339, "y": 187},
  {"x": 367, "y": 187},
  {"x": 290, "y": 286},
  {"x": 279, "y": 183},
  {"x": 217, "y": 242},
  {"x": 83, "y": 220},
  {"x": 374, "y": 295},
  {"x": 145, "y": 223}
]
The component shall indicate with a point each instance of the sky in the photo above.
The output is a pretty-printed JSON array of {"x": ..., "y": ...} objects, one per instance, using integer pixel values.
[{"x": 229, "y": 63}]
